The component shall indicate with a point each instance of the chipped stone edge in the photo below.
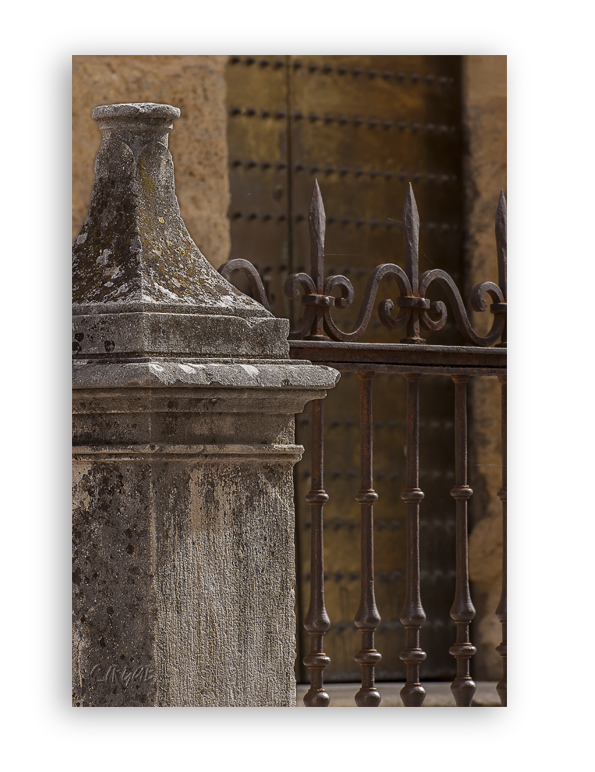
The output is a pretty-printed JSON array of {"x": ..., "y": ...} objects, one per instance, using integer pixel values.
[
  {"x": 305, "y": 375},
  {"x": 288, "y": 454},
  {"x": 257, "y": 311}
]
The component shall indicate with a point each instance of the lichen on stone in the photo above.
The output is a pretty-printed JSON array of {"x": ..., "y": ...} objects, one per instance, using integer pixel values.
[{"x": 134, "y": 244}]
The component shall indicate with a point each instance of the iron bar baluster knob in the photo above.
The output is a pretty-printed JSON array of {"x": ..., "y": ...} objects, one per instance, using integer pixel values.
[
  {"x": 501, "y": 611},
  {"x": 317, "y": 621},
  {"x": 367, "y": 618},
  {"x": 412, "y": 615},
  {"x": 462, "y": 611}
]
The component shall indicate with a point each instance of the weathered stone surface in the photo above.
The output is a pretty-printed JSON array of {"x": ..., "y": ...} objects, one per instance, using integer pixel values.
[
  {"x": 166, "y": 334},
  {"x": 134, "y": 246},
  {"x": 183, "y": 564},
  {"x": 287, "y": 375},
  {"x": 183, "y": 532},
  {"x": 196, "y": 85},
  {"x": 183, "y": 427},
  {"x": 230, "y": 592},
  {"x": 484, "y": 118},
  {"x": 114, "y": 600}
]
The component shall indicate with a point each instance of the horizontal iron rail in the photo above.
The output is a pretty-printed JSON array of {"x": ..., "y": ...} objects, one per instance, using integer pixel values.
[{"x": 402, "y": 357}]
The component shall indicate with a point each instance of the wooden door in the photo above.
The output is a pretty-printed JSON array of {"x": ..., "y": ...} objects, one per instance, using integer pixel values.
[{"x": 364, "y": 126}]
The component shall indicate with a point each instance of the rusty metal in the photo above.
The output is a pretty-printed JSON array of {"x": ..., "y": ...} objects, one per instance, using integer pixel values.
[
  {"x": 254, "y": 278},
  {"x": 413, "y": 615},
  {"x": 501, "y": 611},
  {"x": 458, "y": 361},
  {"x": 411, "y": 357},
  {"x": 397, "y": 357},
  {"x": 367, "y": 618},
  {"x": 412, "y": 300},
  {"x": 463, "y": 611},
  {"x": 501, "y": 247},
  {"x": 317, "y": 621}
]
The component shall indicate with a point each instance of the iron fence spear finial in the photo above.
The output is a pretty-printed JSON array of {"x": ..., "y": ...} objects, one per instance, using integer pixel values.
[
  {"x": 411, "y": 239},
  {"x": 501, "y": 244},
  {"x": 317, "y": 224},
  {"x": 411, "y": 243}
]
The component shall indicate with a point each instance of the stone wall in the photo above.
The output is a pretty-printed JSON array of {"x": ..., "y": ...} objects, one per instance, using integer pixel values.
[
  {"x": 484, "y": 117},
  {"x": 196, "y": 85}
]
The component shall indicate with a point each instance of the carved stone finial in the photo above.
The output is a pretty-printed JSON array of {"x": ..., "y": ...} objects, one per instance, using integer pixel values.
[{"x": 134, "y": 247}]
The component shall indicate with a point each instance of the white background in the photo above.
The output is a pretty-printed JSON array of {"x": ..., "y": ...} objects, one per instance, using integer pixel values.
[{"x": 563, "y": 460}]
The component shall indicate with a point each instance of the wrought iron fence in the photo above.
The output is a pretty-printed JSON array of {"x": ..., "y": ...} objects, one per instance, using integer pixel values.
[{"x": 318, "y": 339}]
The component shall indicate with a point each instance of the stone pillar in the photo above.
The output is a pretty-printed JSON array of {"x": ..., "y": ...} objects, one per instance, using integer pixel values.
[
  {"x": 484, "y": 118},
  {"x": 184, "y": 401}
]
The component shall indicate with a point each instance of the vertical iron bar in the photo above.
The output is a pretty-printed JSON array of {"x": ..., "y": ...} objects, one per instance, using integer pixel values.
[
  {"x": 317, "y": 621},
  {"x": 501, "y": 610},
  {"x": 412, "y": 615},
  {"x": 462, "y": 611},
  {"x": 367, "y": 618}
]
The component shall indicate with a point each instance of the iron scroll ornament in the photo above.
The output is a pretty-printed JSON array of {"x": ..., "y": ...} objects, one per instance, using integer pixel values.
[{"x": 416, "y": 310}]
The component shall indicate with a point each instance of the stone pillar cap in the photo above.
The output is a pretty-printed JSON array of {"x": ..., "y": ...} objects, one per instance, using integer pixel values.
[
  {"x": 135, "y": 110},
  {"x": 136, "y": 118}
]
